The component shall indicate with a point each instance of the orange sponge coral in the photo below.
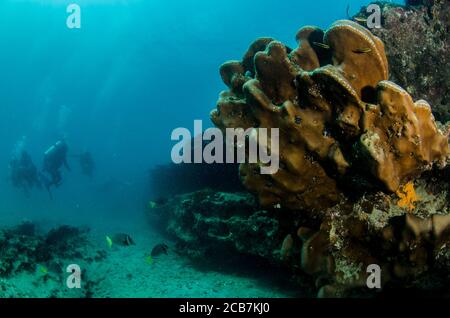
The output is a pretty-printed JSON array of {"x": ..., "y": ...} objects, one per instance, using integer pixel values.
[{"x": 407, "y": 196}]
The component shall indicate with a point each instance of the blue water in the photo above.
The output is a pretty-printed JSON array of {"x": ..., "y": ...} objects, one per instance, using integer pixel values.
[{"x": 118, "y": 86}]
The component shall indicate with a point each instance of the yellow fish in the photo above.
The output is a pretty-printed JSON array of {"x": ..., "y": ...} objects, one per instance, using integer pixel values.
[
  {"x": 149, "y": 260},
  {"x": 42, "y": 269},
  {"x": 109, "y": 242},
  {"x": 152, "y": 204},
  {"x": 322, "y": 45},
  {"x": 362, "y": 50},
  {"x": 360, "y": 20}
]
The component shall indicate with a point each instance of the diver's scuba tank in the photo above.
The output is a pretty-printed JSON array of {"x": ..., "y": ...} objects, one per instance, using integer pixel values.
[{"x": 50, "y": 150}]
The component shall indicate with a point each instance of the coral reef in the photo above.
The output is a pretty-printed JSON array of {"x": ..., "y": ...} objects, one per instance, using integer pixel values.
[
  {"x": 358, "y": 183},
  {"x": 417, "y": 40},
  {"x": 33, "y": 262},
  {"x": 419, "y": 2},
  {"x": 23, "y": 248},
  {"x": 335, "y": 120},
  {"x": 410, "y": 246},
  {"x": 214, "y": 224},
  {"x": 327, "y": 256},
  {"x": 364, "y": 176}
]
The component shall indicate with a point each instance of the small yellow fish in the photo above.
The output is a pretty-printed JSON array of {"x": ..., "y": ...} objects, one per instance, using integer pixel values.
[
  {"x": 362, "y": 50},
  {"x": 149, "y": 260},
  {"x": 42, "y": 269},
  {"x": 360, "y": 20},
  {"x": 322, "y": 45},
  {"x": 152, "y": 204},
  {"x": 109, "y": 242}
]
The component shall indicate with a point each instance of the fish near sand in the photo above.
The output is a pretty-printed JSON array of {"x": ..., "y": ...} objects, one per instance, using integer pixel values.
[
  {"x": 159, "y": 250},
  {"x": 149, "y": 260},
  {"x": 109, "y": 241},
  {"x": 41, "y": 270},
  {"x": 120, "y": 239}
]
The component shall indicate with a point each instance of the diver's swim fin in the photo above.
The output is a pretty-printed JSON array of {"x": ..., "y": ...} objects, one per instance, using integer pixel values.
[
  {"x": 47, "y": 186},
  {"x": 47, "y": 183},
  {"x": 50, "y": 193}
]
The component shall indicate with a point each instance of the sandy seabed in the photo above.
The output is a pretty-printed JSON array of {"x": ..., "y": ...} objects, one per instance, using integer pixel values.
[{"x": 125, "y": 272}]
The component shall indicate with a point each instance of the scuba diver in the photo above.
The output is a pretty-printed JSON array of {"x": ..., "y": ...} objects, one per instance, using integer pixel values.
[
  {"x": 23, "y": 173},
  {"x": 86, "y": 163},
  {"x": 54, "y": 158}
]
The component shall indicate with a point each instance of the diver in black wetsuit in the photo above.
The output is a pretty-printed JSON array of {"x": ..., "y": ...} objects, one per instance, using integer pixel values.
[
  {"x": 23, "y": 173},
  {"x": 54, "y": 158}
]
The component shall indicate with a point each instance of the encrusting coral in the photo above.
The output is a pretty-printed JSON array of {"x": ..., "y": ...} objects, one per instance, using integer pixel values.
[
  {"x": 23, "y": 248},
  {"x": 407, "y": 247},
  {"x": 337, "y": 114},
  {"x": 417, "y": 41}
]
